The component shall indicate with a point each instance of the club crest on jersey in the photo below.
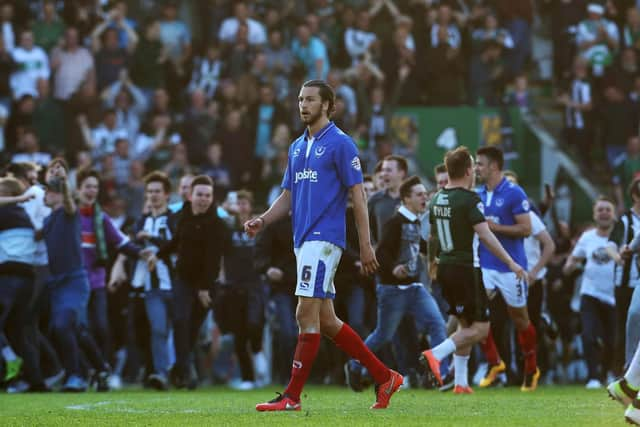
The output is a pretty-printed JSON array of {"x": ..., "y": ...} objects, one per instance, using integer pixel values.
[
  {"x": 355, "y": 163},
  {"x": 499, "y": 201},
  {"x": 320, "y": 151},
  {"x": 296, "y": 152}
]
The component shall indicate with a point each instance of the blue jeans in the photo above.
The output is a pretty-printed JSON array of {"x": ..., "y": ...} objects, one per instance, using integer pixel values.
[
  {"x": 286, "y": 336},
  {"x": 394, "y": 303},
  {"x": 99, "y": 320},
  {"x": 69, "y": 296},
  {"x": 158, "y": 304}
]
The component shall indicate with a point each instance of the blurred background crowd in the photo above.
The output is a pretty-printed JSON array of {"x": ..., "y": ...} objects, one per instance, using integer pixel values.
[{"x": 210, "y": 87}]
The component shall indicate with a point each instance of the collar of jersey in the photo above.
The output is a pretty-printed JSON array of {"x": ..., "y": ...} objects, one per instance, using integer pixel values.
[
  {"x": 402, "y": 210},
  {"x": 320, "y": 133},
  {"x": 498, "y": 188}
]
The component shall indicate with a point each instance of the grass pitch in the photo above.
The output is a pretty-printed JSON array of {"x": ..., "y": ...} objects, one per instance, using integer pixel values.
[{"x": 321, "y": 405}]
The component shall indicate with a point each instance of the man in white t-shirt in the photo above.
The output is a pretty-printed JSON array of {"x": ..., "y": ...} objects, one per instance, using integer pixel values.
[
  {"x": 597, "y": 302},
  {"x": 32, "y": 64}
]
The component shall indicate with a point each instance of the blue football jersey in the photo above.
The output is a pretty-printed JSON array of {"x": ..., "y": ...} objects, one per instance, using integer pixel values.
[
  {"x": 501, "y": 206},
  {"x": 320, "y": 171}
]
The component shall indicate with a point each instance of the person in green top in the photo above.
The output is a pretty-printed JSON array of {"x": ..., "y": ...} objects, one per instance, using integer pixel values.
[
  {"x": 624, "y": 174},
  {"x": 49, "y": 30},
  {"x": 456, "y": 215}
]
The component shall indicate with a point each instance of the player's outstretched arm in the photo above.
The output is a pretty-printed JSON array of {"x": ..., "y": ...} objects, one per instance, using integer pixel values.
[
  {"x": 495, "y": 247},
  {"x": 278, "y": 209},
  {"x": 367, "y": 254}
]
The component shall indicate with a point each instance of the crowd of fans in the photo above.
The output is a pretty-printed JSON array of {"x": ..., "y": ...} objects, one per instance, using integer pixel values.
[{"x": 121, "y": 89}]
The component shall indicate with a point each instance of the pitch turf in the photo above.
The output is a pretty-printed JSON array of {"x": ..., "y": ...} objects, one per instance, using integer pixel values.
[{"x": 322, "y": 405}]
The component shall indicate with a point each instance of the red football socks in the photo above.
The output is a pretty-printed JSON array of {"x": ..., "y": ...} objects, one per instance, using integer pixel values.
[
  {"x": 527, "y": 340},
  {"x": 489, "y": 349},
  {"x": 350, "y": 342},
  {"x": 306, "y": 351}
]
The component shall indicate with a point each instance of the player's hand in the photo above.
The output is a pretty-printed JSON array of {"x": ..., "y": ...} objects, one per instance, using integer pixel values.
[
  {"x": 254, "y": 226},
  {"x": 400, "y": 271},
  {"x": 531, "y": 277},
  {"x": 368, "y": 259},
  {"x": 625, "y": 252},
  {"x": 275, "y": 274},
  {"x": 142, "y": 235},
  {"x": 151, "y": 262},
  {"x": 520, "y": 272},
  {"x": 205, "y": 298}
]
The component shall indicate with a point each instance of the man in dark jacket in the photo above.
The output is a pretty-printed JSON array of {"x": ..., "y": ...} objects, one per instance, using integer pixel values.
[
  {"x": 200, "y": 241},
  {"x": 399, "y": 291}
]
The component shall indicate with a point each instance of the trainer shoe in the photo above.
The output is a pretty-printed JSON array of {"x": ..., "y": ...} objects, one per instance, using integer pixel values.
[
  {"x": 55, "y": 379},
  {"x": 530, "y": 382},
  {"x": 385, "y": 390},
  {"x": 280, "y": 403},
  {"x": 492, "y": 374},
  {"x": 75, "y": 384},
  {"x": 632, "y": 414},
  {"x": 433, "y": 366},
  {"x": 12, "y": 369},
  {"x": 158, "y": 382},
  {"x": 621, "y": 391},
  {"x": 448, "y": 381},
  {"x": 102, "y": 381},
  {"x": 353, "y": 375},
  {"x": 459, "y": 389},
  {"x": 593, "y": 384}
]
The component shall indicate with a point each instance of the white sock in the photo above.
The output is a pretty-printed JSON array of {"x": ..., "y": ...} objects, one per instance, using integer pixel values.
[
  {"x": 461, "y": 374},
  {"x": 444, "y": 349},
  {"x": 633, "y": 373},
  {"x": 8, "y": 354}
]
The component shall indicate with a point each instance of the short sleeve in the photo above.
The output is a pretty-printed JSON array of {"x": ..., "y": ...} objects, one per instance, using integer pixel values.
[
  {"x": 476, "y": 210},
  {"x": 286, "y": 179},
  {"x": 519, "y": 201},
  {"x": 537, "y": 226},
  {"x": 580, "y": 250},
  {"x": 348, "y": 163}
]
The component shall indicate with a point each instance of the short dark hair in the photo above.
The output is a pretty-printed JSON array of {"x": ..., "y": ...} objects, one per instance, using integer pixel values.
[
  {"x": 59, "y": 160},
  {"x": 439, "y": 168},
  {"x": 161, "y": 177},
  {"x": 327, "y": 93},
  {"x": 84, "y": 174},
  {"x": 201, "y": 180},
  {"x": 245, "y": 195},
  {"x": 407, "y": 185},
  {"x": 367, "y": 178},
  {"x": 457, "y": 162},
  {"x": 17, "y": 170},
  {"x": 401, "y": 161},
  {"x": 494, "y": 154},
  {"x": 378, "y": 167}
]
